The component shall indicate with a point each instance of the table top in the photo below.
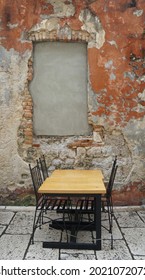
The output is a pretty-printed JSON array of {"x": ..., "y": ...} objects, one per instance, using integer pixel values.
[
  {"x": 68, "y": 181},
  {"x": 76, "y": 173}
]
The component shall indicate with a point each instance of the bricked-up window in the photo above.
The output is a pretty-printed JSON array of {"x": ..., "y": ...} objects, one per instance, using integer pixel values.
[{"x": 59, "y": 89}]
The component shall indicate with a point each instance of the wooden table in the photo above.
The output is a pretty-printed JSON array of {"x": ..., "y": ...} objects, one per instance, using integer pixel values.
[{"x": 77, "y": 183}]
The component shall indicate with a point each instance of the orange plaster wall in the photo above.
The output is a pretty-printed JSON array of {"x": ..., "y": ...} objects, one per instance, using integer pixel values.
[
  {"x": 124, "y": 37},
  {"x": 115, "y": 69},
  {"x": 114, "y": 75}
]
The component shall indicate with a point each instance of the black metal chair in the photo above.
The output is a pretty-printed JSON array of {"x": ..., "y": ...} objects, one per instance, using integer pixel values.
[
  {"x": 45, "y": 203},
  {"x": 109, "y": 185},
  {"x": 108, "y": 203},
  {"x": 40, "y": 199},
  {"x": 43, "y": 167},
  {"x": 86, "y": 206}
]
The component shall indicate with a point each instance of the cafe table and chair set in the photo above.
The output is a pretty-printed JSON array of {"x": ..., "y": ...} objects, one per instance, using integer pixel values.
[{"x": 78, "y": 197}]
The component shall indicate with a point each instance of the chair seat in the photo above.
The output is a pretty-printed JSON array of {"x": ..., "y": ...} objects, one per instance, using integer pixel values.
[
  {"x": 88, "y": 205},
  {"x": 85, "y": 206},
  {"x": 58, "y": 204}
]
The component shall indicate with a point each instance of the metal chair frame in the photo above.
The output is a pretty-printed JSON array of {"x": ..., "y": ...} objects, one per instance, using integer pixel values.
[
  {"x": 86, "y": 206},
  {"x": 43, "y": 167},
  {"x": 44, "y": 203},
  {"x": 109, "y": 203},
  {"x": 109, "y": 185},
  {"x": 40, "y": 199}
]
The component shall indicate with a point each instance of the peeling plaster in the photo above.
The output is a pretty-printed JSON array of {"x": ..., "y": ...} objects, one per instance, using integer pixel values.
[
  {"x": 92, "y": 25},
  {"x": 11, "y": 113},
  {"x": 100, "y": 39},
  {"x": 12, "y": 26},
  {"x": 112, "y": 77},
  {"x": 118, "y": 107},
  {"x": 129, "y": 75},
  {"x": 138, "y": 13},
  {"x": 108, "y": 64},
  {"x": 61, "y": 9},
  {"x": 141, "y": 95},
  {"x": 46, "y": 24},
  {"x": 113, "y": 43}
]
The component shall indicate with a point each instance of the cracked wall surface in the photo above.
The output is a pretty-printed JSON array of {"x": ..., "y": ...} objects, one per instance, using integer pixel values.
[{"x": 115, "y": 36}]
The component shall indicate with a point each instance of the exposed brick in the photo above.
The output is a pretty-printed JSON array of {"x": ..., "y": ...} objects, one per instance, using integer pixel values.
[{"x": 114, "y": 33}]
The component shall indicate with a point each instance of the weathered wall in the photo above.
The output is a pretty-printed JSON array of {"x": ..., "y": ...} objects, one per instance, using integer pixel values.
[{"x": 114, "y": 31}]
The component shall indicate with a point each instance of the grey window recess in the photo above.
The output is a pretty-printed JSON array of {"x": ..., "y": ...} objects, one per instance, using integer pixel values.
[{"x": 59, "y": 89}]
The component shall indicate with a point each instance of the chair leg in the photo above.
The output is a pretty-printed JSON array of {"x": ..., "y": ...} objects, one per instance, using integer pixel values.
[
  {"x": 34, "y": 227},
  {"x": 110, "y": 217},
  {"x": 111, "y": 203},
  {"x": 103, "y": 206},
  {"x": 36, "y": 221},
  {"x": 109, "y": 211},
  {"x": 110, "y": 214},
  {"x": 111, "y": 241}
]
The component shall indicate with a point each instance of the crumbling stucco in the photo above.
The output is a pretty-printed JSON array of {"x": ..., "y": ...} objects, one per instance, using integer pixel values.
[
  {"x": 114, "y": 32},
  {"x": 62, "y": 8}
]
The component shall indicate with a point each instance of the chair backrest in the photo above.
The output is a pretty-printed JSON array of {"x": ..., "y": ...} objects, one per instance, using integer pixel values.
[
  {"x": 112, "y": 177},
  {"x": 43, "y": 166},
  {"x": 36, "y": 179}
]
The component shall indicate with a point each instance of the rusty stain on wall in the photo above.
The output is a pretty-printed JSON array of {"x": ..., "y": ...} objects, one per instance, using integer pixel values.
[{"x": 115, "y": 34}]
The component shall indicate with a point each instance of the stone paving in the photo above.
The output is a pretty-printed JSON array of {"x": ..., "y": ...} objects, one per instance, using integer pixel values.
[{"x": 16, "y": 226}]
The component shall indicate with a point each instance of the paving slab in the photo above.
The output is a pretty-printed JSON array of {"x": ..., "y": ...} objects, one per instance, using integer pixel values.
[
  {"x": 21, "y": 223},
  {"x": 5, "y": 217},
  {"x": 138, "y": 257},
  {"x": 2, "y": 207},
  {"x": 36, "y": 252},
  {"x": 135, "y": 239},
  {"x": 46, "y": 234},
  {"x": 77, "y": 256},
  {"x": 16, "y": 227},
  {"x": 20, "y": 208},
  {"x": 84, "y": 236},
  {"x": 142, "y": 215},
  {"x": 72, "y": 253},
  {"x": 129, "y": 219},
  {"x": 2, "y": 228},
  {"x": 116, "y": 231},
  {"x": 13, "y": 247},
  {"x": 119, "y": 252}
]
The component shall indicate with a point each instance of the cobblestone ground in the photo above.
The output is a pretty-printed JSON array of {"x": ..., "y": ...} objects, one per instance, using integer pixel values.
[{"x": 16, "y": 227}]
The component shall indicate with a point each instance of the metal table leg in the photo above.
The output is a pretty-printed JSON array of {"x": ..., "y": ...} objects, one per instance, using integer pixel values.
[{"x": 97, "y": 219}]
